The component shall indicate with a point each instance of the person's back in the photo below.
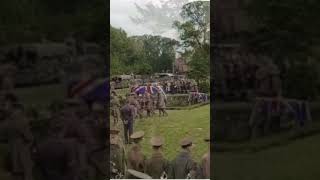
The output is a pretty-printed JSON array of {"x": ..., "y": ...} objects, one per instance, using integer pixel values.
[
  {"x": 136, "y": 159},
  {"x": 156, "y": 165},
  {"x": 56, "y": 157},
  {"x": 126, "y": 112},
  {"x": 183, "y": 165}
]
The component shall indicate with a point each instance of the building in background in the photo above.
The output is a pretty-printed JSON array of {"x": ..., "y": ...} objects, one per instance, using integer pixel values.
[{"x": 181, "y": 66}]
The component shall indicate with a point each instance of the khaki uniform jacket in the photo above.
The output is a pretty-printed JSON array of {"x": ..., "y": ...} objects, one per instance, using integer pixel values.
[
  {"x": 182, "y": 165},
  {"x": 156, "y": 165},
  {"x": 205, "y": 166},
  {"x": 136, "y": 159}
]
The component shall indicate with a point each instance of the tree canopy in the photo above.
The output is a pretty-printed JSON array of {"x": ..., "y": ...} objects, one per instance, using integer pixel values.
[
  {"x": 194, "y": 32},
  {"x": 140, "y": 54}
]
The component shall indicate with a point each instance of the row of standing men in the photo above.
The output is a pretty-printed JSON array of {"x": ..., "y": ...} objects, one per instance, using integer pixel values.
[{"x": 135, "y": 165}]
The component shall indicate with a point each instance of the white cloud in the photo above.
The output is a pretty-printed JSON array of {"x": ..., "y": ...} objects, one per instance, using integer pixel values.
[{"x": 122, "y": 10}]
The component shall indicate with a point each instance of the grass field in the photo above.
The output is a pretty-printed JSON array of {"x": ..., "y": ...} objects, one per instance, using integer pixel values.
[
  {"x": 193, "y": 123},
  {"x": 40, "y": 96},
  {"x": 296, "y": 161}
]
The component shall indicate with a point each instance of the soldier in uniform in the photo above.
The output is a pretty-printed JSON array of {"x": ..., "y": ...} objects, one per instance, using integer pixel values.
[
  {"x": 115, "y": 106},
  {"x": 20, "y": 140},
  {"x": 136, "y": 158},
  {"x": 127, "y": 115},
  {"x": 205, "y": 163},
  {"x": 56, "y": 155},
  {"x": 141, "y": 102},
  {"x": 162, "y": 104},
  {"x": 76, "y": 129},
  {"x": 149, "y": 104},
  {"x": 183, "y": 166},
  {"x": 96, "y": 142},
  {"x": 135, "y": 104},
  {"x": 117, "y": 156},
  {"x": 157, "y": 166},
  {"x": 138, "y": 105}
]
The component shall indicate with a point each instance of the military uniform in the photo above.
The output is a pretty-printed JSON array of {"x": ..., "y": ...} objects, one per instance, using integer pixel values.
[
  {"x": 127, "y": 115},
  {"x": 205, "y": 164},
  {"x": 117, "y": 156},
  {"x": 20, "y": 139},
  {"x": 148, "y": 104},
  {"x": 57, "y": 158},
  {"x": 157, "y": 166},
  {"x": 96, "y": 143},
  {"x": 136, "y": 158},
  {"x": 161, "y": 104},
  {"x": 183, "y": 166},
  {"x": 115, "y": 106}
]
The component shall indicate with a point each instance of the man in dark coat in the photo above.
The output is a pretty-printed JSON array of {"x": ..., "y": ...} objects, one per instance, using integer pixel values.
[
  {"x": 157, "y": 166},
  {"x": 183, "y": 166},
  {"x": 127, "y": 115}
]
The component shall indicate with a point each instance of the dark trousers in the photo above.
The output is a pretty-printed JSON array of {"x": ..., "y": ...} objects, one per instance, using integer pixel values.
[{"x": 128, "y": 130}]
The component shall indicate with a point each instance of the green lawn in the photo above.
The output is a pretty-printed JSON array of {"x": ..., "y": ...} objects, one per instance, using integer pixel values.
[
  {"x": 296, "y": 161},
  {"x": 193, "y": 123},
  {"x": 41, "y": 96}
]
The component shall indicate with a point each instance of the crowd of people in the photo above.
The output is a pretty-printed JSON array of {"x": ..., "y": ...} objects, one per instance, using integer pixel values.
[
  {"x": 179, "y": 86},
  {"x": 64, "y": 140},
  {"x": 143, "y": 105},
  {"x": 245, "y": 74},
  {"x": 172, "y": 86},
  {"x": 135, "y": 165},
  {"x": 74, "y": 147}
]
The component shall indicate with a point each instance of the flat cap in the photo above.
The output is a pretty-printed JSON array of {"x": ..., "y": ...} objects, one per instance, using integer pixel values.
[
  {"x": 138, "y": 175},
  {"x": 185, "y": 141},
  {"x": 137, "y": 135},
  {"x": 156, "y": 141}
]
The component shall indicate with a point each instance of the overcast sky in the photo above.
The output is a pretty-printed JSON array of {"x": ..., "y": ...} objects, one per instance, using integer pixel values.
[{"x": 122, "y": 10}]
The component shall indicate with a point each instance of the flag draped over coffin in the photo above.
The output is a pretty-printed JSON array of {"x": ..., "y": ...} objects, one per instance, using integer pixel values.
[
  {"x": 149, "y": 89},
  {"x": 90, "y": 90}
]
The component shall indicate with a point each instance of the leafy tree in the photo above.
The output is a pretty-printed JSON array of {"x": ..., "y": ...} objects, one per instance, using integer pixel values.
[
  {"x": 140, "y": 54},
  {"x": 284, "y": 29},
  {"x": 287, "y": 32},
  {"x": 194, "y": 34},
  {"x": 195, "y": 29}
]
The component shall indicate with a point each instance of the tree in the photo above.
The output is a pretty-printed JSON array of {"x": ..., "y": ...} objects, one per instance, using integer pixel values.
[
  {"x": 287, "y": 32},
  {"x": 140, "y": 54},
  {"x": 194, "y": 30},
  {"x": 284, "y": 29},
  {"x": 194, "y": 34}
]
